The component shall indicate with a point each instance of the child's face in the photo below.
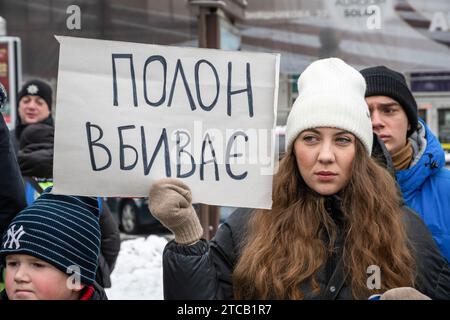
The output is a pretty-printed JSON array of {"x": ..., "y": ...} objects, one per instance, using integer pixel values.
[{"x": 29, "y": 278}]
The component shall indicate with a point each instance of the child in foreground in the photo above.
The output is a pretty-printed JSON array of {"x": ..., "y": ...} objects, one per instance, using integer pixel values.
[{"x": 50, "y": 250}]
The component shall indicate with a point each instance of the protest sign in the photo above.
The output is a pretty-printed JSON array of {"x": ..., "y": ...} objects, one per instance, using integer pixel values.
[{"x": 128, "y": 114}]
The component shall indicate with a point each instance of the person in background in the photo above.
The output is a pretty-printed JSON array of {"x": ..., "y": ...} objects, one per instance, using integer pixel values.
[
  {"x": 336, "y": 212},
  {"x": 33, "y": 137},
  {"x": 51, "y": 250},
  {"x": 34, "y": 106},
  {"x": 417, "y": 155}
]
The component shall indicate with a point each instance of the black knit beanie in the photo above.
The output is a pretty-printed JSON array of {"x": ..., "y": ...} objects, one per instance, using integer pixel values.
[
  {"x": 37, "y": 88},
  {"x": 382, "y": 81}
]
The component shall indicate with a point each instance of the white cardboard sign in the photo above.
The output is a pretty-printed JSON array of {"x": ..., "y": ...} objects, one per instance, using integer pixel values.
[{"x": 128, "y": 114}]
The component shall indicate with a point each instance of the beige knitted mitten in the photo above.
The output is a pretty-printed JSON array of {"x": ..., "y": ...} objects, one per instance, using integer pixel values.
[
  {"x": 170, "y": 201},
  {"x": 403, "y": 293}
]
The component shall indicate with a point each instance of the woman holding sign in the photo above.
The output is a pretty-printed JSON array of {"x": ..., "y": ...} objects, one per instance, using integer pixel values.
[{"x": 337, "y": 228}]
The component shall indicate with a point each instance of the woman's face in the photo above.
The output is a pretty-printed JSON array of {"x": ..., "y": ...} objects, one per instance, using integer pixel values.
[{"x": 324, "y": 158}]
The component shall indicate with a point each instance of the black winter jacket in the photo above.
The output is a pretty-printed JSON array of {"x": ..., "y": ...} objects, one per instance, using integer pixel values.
[
  {"x": 16, "y": 134},
  {"x": 12, "y": 193},
  {"x": 35, "y": 154}
]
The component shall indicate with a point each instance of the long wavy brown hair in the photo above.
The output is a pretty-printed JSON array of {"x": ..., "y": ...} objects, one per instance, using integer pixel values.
[{"x": 284, "y": 248}]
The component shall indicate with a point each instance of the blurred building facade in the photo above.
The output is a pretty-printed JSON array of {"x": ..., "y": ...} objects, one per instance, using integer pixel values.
[{"x": 411, "y": 36}]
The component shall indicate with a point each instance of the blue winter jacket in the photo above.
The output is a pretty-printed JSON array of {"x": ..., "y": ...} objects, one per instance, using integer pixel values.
[{"x": 426, "y": 187}]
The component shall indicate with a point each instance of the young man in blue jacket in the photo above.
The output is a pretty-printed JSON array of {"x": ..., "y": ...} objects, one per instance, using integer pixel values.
[{"x": 416, "y": 153}]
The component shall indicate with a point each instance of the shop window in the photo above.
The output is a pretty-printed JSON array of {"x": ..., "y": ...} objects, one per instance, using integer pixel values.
[{"x": 444, "y": 127}]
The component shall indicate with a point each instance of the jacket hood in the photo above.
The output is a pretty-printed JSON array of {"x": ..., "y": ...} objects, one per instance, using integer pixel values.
[
  {"x": 431, "y": 160},
  {"x": 382, "y": 155}
]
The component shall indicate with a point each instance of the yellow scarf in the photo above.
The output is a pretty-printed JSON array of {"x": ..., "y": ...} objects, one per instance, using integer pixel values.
[{"x": 403, "y": 157}]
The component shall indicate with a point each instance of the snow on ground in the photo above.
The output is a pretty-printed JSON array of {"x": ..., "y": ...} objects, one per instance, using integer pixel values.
[{"x": 138, "y": 271}]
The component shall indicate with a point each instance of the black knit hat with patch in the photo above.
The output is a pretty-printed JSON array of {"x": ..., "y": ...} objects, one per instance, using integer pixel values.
[
  {"x": 382, "y": 81},
  {"x": 37, "y": 88}
]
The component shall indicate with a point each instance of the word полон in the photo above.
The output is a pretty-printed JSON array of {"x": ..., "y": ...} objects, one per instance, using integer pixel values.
[{"x": 179, "y": 72}]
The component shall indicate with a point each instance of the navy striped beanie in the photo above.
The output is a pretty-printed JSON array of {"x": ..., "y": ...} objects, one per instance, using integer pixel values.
[{"x": 61, "y": 230}]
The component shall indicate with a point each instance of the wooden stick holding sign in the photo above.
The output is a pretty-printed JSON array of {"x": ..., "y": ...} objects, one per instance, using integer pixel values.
[{"x": 129, "y": 114}]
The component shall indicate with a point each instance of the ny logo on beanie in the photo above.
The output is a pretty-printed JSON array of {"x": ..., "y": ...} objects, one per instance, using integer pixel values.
[{"x": 14, "y": 236}]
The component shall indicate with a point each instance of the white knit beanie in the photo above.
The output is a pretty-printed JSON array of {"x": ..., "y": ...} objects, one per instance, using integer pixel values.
[{"x": 330, "y": 94}]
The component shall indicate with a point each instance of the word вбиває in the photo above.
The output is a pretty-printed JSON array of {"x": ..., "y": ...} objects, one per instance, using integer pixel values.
[{"x": 162, "y": 145}]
